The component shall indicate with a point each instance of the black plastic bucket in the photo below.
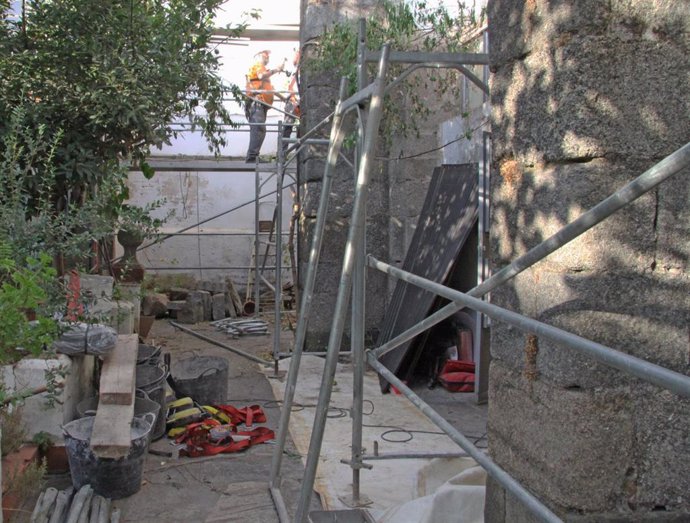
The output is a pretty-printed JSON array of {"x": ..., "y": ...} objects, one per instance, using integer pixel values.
[
  {"x": 142, "y": 406},
  {"x": 202, "y": 378},
  {"x": 111, "y": 478},
  {"x": 150, "y": 379},
  {"x": 148, "y": 355}
]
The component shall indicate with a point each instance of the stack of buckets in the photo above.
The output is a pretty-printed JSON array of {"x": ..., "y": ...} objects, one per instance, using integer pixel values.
[{"x": 119, "y": 478}]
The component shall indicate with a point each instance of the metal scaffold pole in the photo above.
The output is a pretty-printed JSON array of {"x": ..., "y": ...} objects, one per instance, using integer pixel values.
[
  {"x": 354, "y": 238},
  {"x": 336, "y": 140}
]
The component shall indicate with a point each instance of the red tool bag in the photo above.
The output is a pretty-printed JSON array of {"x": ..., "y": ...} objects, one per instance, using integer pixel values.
[{"x": 457, "y": 376}]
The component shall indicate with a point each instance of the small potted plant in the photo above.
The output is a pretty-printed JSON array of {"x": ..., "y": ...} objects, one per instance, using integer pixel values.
[{"x": 54, "y": 456}]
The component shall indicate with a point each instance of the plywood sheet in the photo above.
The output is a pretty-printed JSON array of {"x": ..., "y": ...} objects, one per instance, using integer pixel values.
[{"x": 447, "y": 218}]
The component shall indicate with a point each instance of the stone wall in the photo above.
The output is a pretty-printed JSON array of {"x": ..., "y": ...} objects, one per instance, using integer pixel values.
[
  {"x": 319, "y": 96},
  {"x": 586, "y": 96},
  {"x": 397, "y": 189}
]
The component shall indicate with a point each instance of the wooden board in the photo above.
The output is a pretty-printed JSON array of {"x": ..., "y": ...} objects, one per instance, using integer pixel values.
[
  {"x": 111, "y": 435},
  {"x": 118, "y": 372}
]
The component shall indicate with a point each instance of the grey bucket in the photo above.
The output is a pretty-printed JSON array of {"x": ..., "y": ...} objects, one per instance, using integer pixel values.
[
  {"x": 142, "y": 405},
  {"x": 111, "y": 478},
  {"x": 202, "y": 378},
  {"x": 148, "y": 355},
  {"x": 151, "y": 380}
]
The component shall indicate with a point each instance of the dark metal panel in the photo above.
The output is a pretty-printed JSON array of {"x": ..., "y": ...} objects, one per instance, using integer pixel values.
[{"x": 448, "y": 215}]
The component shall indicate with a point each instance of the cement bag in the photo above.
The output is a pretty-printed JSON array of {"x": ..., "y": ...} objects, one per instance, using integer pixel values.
[{"x": 86, "y": 338}]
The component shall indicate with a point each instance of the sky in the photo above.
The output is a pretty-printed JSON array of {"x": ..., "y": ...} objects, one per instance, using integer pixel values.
[{"x": 272, "y": 12}]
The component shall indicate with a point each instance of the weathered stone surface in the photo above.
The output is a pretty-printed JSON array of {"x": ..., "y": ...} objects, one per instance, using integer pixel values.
[
  {"x": 37, "y": 414},
  {"x": 528, "y": 206},
  {"x": 572, "y": 121},
  {"x": 194, "y": 309},
  {"x": 211, "y": 286},
  {"x": 662, "y": 439},
  {"x": 203, "y": 298},
  {"x": 648, "y": 465},
  {"x": 321, "y": 92},
  {"x": 155, "y": 305},
  {"x": 569, "y": 66},
  {"x": 527, "y": 25},
  {"x": 558, "y": 442},
  {"x": 178, "y": 293},
  {"x": 218, "y": 306},
  {"x": 176, "y": 305},
  {"x": 630, "y": 313}
]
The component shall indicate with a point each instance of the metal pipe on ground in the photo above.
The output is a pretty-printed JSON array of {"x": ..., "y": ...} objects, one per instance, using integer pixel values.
[{"x": 219, "y": 344}]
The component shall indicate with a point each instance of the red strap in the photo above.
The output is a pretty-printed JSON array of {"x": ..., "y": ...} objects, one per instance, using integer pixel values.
[
  {"x": 246, "y": 415},
  {"x": 206, "y": 448},
  {"x": 196, "y": 435}
]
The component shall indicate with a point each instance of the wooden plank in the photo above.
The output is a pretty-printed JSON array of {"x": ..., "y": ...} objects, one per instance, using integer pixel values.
[
  {"x": 118, "y": 372},
  {"x": 111, "y": 435}
]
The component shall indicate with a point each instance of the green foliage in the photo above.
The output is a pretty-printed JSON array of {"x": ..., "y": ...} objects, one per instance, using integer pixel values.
[
  {"x": 23, "y": 288},
  {"x": 13, "y": 432},
  {"x": 113, "y": 76},
  {"x": 28, "y": 482},
  {"x": 29, "y": 221},
  {"x": 406, "y": 27},
  {"x": 43, "y": 441}
]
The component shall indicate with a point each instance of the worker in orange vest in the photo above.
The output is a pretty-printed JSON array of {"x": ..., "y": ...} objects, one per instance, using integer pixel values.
[
  {"x": 259, "y": 89},
  {"x": 292, "y": 106}
]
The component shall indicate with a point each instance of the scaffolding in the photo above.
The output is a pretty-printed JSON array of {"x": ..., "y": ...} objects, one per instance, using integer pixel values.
[{"x": 352, "y": 291}]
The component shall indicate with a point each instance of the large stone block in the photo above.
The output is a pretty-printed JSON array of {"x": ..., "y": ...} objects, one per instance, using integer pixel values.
[
  {"x": 195, "y": 307},
  {"x": 658, "y": 479},
  {"x": 531, "y": 205},
  {"x": 38, "y": 412},
  {"x": 571, "y": 447},
  {"x": 526, "y": 25},
  {"x": 591, "y": 113},
  {"x": 155, "y": 304},
  {"x": 218, "y": 306},
  {"x": 617, "y": 456},
  {"x": 563, "y": 71},
  {"x": 630, "y": 313},
  {"x": 122, "y": 317}
]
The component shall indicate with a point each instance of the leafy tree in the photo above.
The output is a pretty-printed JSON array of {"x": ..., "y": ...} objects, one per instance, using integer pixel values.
[
  {"x": 112, "y": 76},
  {"x": 406, "y": 26}
]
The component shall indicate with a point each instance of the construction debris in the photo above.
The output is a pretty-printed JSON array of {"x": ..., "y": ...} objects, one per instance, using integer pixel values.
[
  {"x": 66, "y": 506},
  {"x": 237, "y": 328}
]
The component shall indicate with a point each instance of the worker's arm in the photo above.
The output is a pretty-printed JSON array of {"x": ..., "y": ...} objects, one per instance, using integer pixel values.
[{"x": 267, "y": 73}]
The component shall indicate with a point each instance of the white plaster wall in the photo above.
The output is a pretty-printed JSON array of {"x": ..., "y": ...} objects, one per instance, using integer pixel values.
[{"x": 195, "y": 197}]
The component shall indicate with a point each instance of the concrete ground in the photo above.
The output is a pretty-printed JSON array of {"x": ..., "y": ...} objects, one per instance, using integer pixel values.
[{"x": 233, "y": 487}]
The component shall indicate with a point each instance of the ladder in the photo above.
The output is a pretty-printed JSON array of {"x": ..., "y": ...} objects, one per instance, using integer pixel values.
[
  {"x": 262, "y": 267},
  {"x": 264, "y": 277}
]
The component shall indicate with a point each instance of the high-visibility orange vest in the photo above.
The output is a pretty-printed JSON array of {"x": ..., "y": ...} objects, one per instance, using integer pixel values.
[{"x": 254, "y": 83}]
